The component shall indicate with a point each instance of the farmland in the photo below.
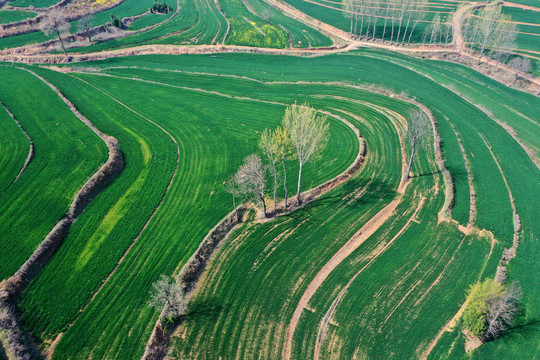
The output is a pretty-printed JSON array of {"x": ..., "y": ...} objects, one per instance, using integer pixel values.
[{"x": 375, "y": 264}]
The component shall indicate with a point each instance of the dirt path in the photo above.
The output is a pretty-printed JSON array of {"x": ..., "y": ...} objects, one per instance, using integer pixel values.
[
  {"x": 323, "y": 326},
  {"x": 368, "y": 229},
  {"x": 520, "y": 6},
  {"x": 30, "y": 151}
]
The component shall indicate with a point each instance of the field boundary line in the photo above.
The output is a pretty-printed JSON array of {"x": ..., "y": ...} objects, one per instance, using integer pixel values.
[
  {"x": 11, "y": 289},
  {"x": 472, "y": 192},
  {"x": 31, "y": 151}
]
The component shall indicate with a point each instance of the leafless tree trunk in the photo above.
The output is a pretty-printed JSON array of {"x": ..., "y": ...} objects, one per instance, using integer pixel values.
[
  {"x": 56, "y": 22},
  {"x": 417, "y": 134},
  {"x": 84, "y": 26},
  {"x": 251, "y": 179},
  {"x": 308, "y": 133}
]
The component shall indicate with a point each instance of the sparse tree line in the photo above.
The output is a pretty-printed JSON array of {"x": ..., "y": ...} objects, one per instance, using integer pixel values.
[
  {"x": 491, "y": 33},
  {"x": 398, "y": 18},
  {"x": 302, "y": 136}
]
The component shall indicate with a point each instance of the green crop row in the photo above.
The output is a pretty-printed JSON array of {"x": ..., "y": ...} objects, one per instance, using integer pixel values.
[{"x": 449, "y": 107}]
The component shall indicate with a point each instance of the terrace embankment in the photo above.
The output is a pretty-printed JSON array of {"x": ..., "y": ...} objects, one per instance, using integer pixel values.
[{"x": 12, "y": 288}]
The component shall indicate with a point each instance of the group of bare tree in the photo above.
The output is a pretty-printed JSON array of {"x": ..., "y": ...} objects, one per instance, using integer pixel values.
[
  {"x": 438, "y": 31},
  {"x": 399, "y": 15},
  {"x": 491, "y": 33},
  {"x": 302, "y": 135}
]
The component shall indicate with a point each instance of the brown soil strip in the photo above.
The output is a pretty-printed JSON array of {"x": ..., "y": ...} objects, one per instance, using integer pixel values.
[
  {"x": 11, "y": 289},
  {"x": 520, "y": 6},
  {"x": 227, "y": 20},
  {"x": 219, "y": 22},
  {"x": 327, "y": 319},
  {"x": 30, "y": 151}
]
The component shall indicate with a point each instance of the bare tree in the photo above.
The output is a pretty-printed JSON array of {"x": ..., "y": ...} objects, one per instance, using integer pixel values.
[
  {"x": 501, "y": 311},
  {"x": 419, "y": 15},
  {"x": 520, "y": 64},
  {"x": 167, "y": 294},
  {"x": 348, "y": 13},
  {"x": 269, "y": 148},
  {"x": 84, "y": 26},
  {"x": 56, "y": 22},
  {"x": 417, "y": 134},
  {"x": 251, "y": 179},
  {"x": 232, "y": 188},
  {"x": 485, "y": 28},
  {"x": 433, "y": 30},
  {"x": 308, "y": 133}
]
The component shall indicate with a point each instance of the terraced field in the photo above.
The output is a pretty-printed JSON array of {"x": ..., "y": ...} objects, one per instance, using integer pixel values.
[
  {"x": 12, "y": 16},
  {"x": 376, "y": 266}
]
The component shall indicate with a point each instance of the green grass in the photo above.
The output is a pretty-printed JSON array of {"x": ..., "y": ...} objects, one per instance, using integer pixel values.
[
  {"x": 118, "y": 322},
  {"x": 13, "y": 16},
  {"x": 148, "y": 20},
  {"x": 25, "y": 39},
  {"x": 67, "y": 153},
  {"x": 249, "y": 29},
  {"x": 192, "y": 25}
]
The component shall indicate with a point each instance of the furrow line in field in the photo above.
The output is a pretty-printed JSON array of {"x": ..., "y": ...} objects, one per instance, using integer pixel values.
[
  {"x": 30, "y": 151},
  {"x": 323, "y": 326}
]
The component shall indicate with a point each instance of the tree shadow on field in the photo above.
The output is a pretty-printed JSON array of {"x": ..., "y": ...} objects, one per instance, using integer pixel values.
[
  {"x": 529, "y": 331},
  {"x": 458, "y": 174},
  {"x": 373, "y": 192},
  {"x": 204, "y": 310},
  {"x": 427, "y": 174}
]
